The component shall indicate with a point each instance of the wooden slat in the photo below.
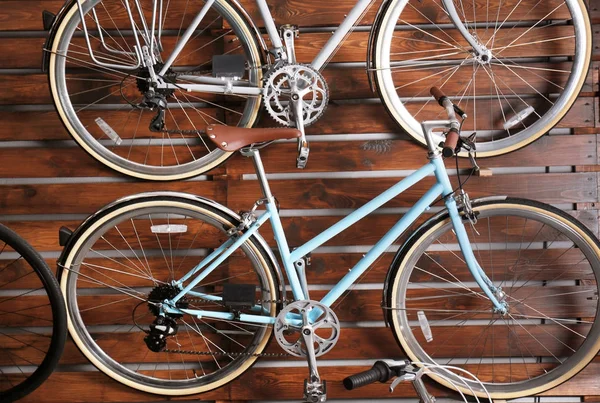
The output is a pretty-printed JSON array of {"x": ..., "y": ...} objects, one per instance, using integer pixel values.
[
  {"x": 308, "y": 45},
  {"x": 354, "y": 343},
  {"x": 308, "y": 13},
  {"x": 262, "y": 382},
  {"x": 86, "y": 198},
  {"x": 259, "y": 383},
  {"x": 358, "y": 118},
  {"x": 339, "y": 193},
  {"x": 343, "y": 84},
  {"x": 63, "y": 162},
  {"x": 80, "y": 387},
  {"x": 358, "y": 305},
  {"x": 43, "y": 235},
  {"x": 325, "y": 157},
  {"x": 399, "y": 154}
]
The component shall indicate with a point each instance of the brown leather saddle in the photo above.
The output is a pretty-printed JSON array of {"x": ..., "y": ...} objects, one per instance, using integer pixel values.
[{"x": 231, "y": 138}]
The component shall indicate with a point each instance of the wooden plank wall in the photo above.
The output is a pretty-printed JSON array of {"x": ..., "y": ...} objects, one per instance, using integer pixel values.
[{"x": 46, "y": 182}]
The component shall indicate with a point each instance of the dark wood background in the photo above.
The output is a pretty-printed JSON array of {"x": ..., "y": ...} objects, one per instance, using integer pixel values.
[{"x": 46, "y": 181}]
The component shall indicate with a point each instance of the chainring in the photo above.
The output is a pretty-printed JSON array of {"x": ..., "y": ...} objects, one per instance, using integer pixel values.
[
  {"x": 277, "y": 92},
  {"x": 326, "y": 328}
]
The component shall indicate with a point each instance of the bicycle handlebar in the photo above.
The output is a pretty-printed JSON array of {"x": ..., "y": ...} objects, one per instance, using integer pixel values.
[
  {"x": 453, "y": 135},
  {"x": 380, "y": 372},
  {"x": 438, "y": 95}
]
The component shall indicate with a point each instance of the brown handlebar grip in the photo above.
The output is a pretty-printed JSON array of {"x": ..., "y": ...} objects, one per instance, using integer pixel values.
[
  {"x": 451, "y": 142},
  {"x": 438, "y": 94}
]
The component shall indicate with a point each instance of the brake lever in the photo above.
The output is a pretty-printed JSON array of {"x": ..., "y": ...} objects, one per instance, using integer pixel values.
[{"x": 469, "y": 144}]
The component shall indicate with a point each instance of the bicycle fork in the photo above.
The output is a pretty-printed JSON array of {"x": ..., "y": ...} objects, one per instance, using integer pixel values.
[
  {"x": 494, "y": 293},
  {"x": 482, "y": 53}
]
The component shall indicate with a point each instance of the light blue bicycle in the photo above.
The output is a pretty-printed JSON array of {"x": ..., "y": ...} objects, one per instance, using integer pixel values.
[{"x": 175, "y": 294}]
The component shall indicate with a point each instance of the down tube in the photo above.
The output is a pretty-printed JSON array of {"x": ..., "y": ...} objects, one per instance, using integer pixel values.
[{"x": 384, "y": 243}]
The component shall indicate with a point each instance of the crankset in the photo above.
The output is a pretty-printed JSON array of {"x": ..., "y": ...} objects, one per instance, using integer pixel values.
[{"x": 308, "y": 329}]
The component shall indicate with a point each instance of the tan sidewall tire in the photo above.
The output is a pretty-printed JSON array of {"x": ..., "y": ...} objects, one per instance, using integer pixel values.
[
  {"x": 419, "y": 137},
  {"x": 54, "y": 91},
  {"x": 119, "y": 378},
  {"x": 405, "y": 346}
]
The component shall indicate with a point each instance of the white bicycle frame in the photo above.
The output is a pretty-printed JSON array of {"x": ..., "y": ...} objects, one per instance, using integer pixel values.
[{"x": 215, "y": 85}]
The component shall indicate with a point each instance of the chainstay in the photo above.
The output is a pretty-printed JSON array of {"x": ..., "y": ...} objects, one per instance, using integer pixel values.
[
  {"x": 232, "y": 354},
  {"x": 219, "y": 353}
]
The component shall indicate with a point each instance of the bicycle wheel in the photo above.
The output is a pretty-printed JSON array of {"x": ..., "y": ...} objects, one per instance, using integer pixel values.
[
  {"x": 540, "y": 53},
  {"x": 106, "y": 109},
  {"x": 126, "y": 260},
  {"x": 33, "y": 323},
  {"x": 547, "y": 264}
]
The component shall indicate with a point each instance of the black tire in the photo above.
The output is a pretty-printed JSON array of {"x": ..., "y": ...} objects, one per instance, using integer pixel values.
[{"x": 15, "y": 331}]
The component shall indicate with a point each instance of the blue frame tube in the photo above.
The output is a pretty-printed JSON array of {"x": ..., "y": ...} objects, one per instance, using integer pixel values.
[
  {"x": 380, "y": 247},
  {"x": 206, "y": 260},
  {"x": 363, "y": 211},
  {"x": 284, "y": 251},
  {"x": 465, "y": 246},
  {"x": 441, "y": 187},
  {"x": 224, "y": 255},
  {"x": 463, "y": 239}
]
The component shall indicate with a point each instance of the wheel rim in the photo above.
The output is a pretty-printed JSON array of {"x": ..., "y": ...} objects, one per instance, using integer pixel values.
[
  {"x": 32, "y": 332},
  {"x": 84, "y": 92},
  {"x": 170, "y": 373},
  {"x": 532, "y": 71},
  {"x": 542, "y": 342}
]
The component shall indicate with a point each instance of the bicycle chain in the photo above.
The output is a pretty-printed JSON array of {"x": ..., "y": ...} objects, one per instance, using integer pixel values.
[
  {"x": 232, "y": 354},
  {"x": 189, "y": 131}
]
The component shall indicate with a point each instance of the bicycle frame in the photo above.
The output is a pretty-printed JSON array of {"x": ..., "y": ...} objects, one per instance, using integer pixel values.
[
  {"x": 151, "y": 35},
  {"x": 442, "y": 187},
  {"x": 318, "y": 62}
]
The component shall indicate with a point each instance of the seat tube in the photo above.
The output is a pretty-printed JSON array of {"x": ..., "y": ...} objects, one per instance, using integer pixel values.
[{"x": 280, "y": 238}]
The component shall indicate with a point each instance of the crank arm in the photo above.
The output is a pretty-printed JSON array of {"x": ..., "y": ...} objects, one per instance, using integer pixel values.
[{"x": 303, "y": 148}]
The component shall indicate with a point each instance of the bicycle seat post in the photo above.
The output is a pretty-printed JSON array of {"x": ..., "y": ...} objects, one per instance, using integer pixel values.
[{"x": 254, "y": 155}]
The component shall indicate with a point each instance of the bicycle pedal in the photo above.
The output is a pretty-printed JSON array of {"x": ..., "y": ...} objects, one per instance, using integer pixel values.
[
  {"x": 315, "y": 392},
  {"x": 230, "y": 67},
  {"x": 239, "y": 295},
  {"x": 302, "y": 157}
]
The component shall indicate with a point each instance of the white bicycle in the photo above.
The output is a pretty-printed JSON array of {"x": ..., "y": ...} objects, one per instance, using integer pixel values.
[{"x": 136, "y": 82}]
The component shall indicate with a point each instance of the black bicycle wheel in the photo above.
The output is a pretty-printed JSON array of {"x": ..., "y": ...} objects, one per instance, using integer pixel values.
[{"x": 33, "y": 326}]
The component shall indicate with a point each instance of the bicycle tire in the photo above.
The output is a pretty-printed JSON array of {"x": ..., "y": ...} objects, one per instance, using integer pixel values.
[
  {"x": 540, "y": 57},
  {"x": 110, "y": 121},
  {"x": 28, "y": 328},
  {"x": 122, "y": 254},
  {"x": 527, "y": 248}
]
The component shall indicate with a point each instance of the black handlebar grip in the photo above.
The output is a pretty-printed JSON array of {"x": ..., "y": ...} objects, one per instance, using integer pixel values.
[
  {"x": 438, "y": 95},
  {"x": 380, "y": 372},
  {"x": 450, "y": 144}
]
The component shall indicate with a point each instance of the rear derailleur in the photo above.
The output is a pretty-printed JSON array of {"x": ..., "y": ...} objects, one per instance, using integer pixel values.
[
  {"x": 162, "y": 328},
  {"x": 165, "y": 324}
]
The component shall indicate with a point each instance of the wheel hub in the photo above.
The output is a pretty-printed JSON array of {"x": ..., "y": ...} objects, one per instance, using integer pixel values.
[
  {"x": 145, "y": 84},
  {"x": 164, "y": 292}
]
